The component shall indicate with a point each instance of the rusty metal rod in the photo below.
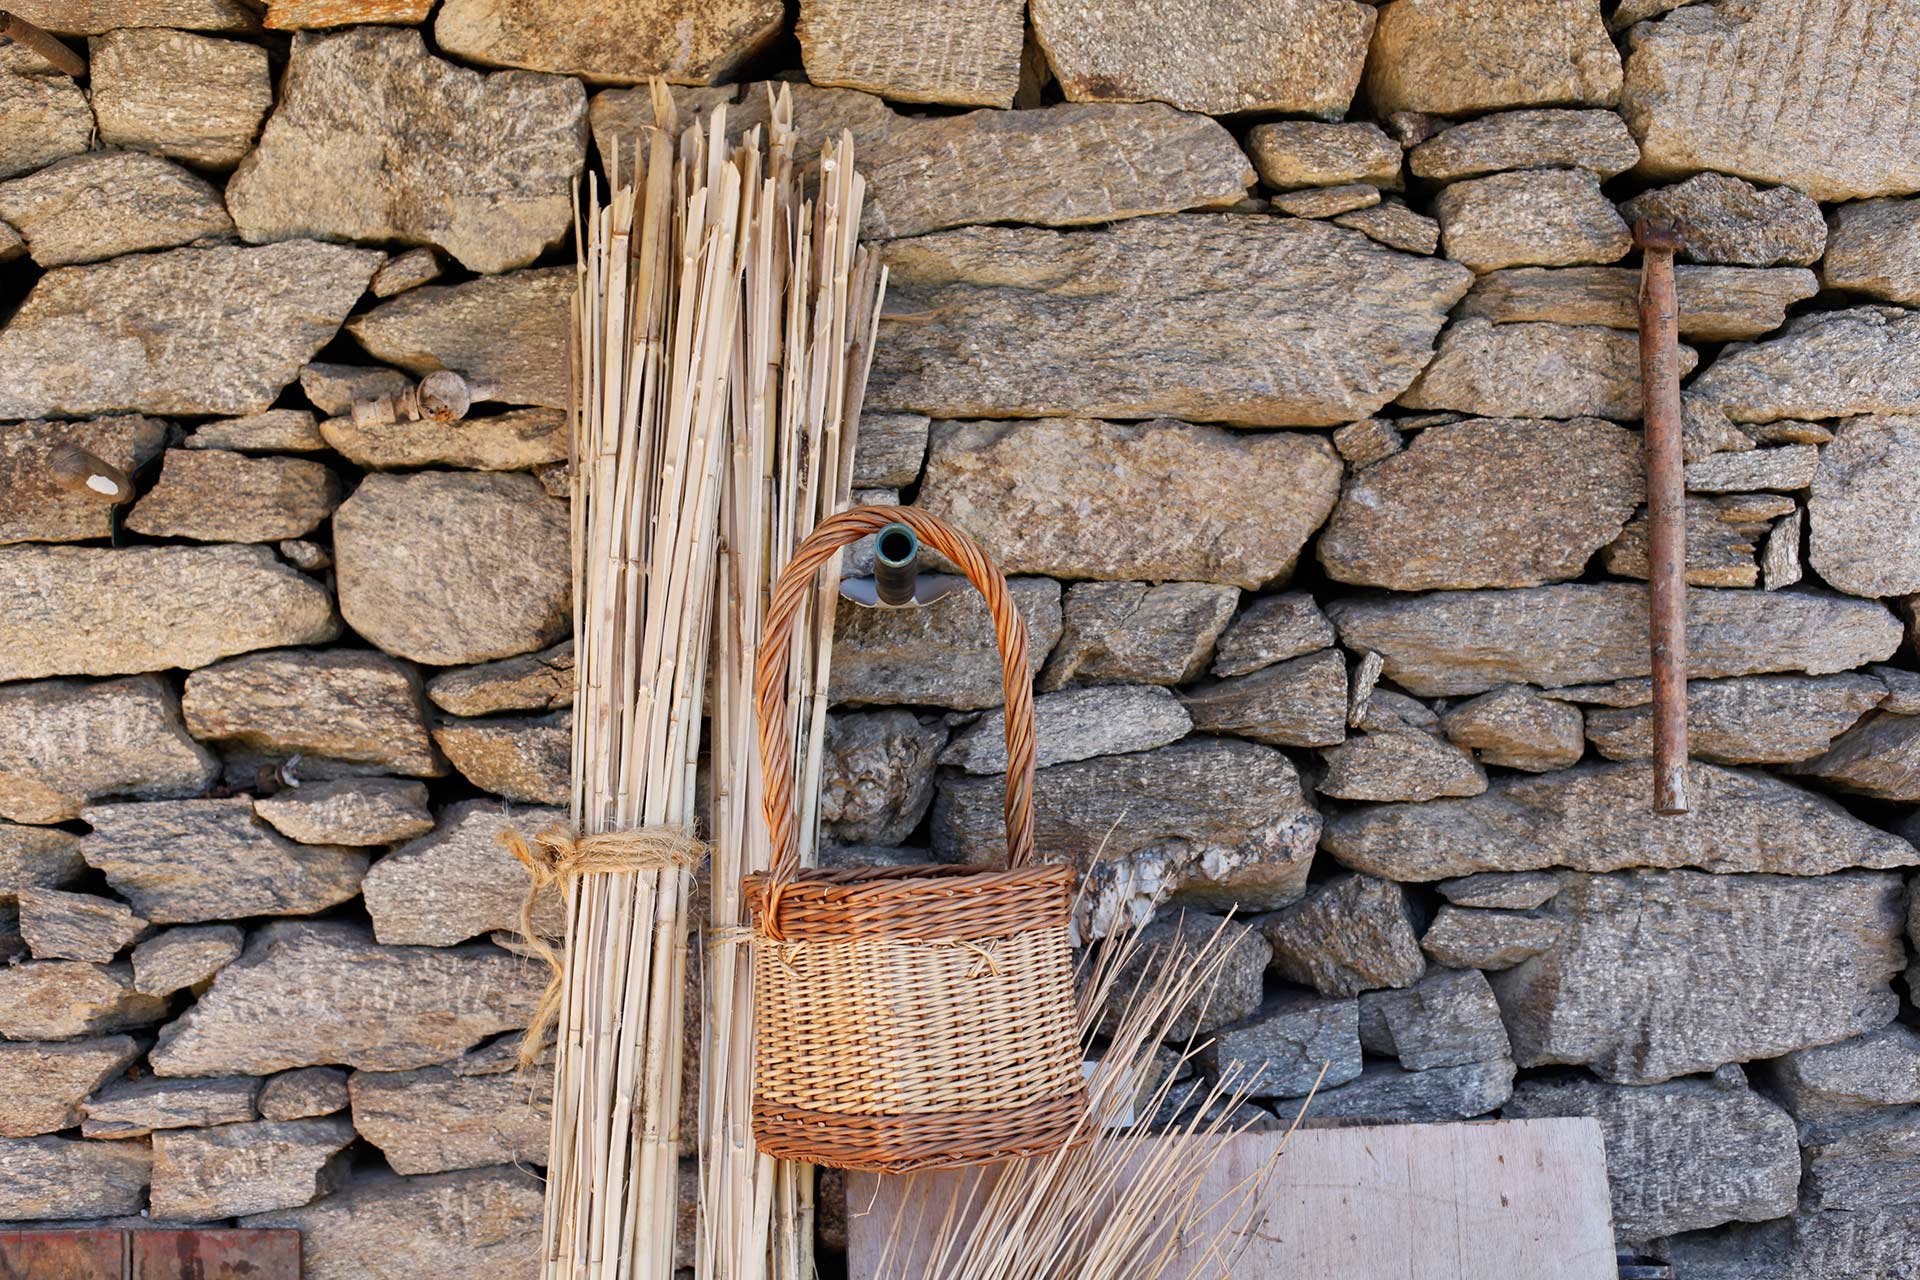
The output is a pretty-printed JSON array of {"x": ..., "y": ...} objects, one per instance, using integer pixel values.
[
  {"x": 1666, "y": 511},
  {"x": 16, "y": 29}
]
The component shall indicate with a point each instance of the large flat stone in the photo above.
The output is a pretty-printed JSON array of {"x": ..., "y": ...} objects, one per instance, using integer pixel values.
[
  {"x": 1740, "y": 967},
  {"x": 106, "y": 203},
  {"x": 942, "y": 655},
  {"x": 42, "y": 1085},
  {"x": 376, "y": 139},
  {"x": 1466, "y": 642},
  {"x": 135, "y": 1108},
  {"x": 1827, "y": 364},
  {"x": 38, "y": 508},
  {"x": 64, "y": 743},
  {"x": 1837, "y": 127},
  {"x": 458, "y": 881},
  {"x": 1747, "y": 720},
  {"x": 100, "y": 611},
  {"x": 1877, "y": 757},
  {"x": 1598, "y": 818},
  {"x": 1539, "y": 217},
  {"x": 215, "y": 330},
  {"x": 1855, "y": 1077},
  {"x": 474, "y": 1111},
  {"x": 1534, "y": 370},
  {"x": 1138, "y": 633},
  {"x": 307, "y": 994},
  {"x": 190, "y": 97},
  {"x": 91, "y": 17},
  {"x": 1076, "y": 498},
  {"x": 1680, "y": 1156},
  {"x": 48, "y": 118},
  {"x": 1596, "y": 141},
  {"x": 338, "y": 704},
  {"x": 217, "y": 495},
  {"x": 629, "y": 40},
  {"x": 969, "y": 54},
  {"x": 513, "y": 441},
  {"x": 67, "y": 999},
  {"x": 1279, "y": 322},
  {"x": 454, "y": 567},
  {"x": 204, "y": 1174},
  {"x": 1302, "y": 57},
  {"x": 183, "y": 861},
  {"x": 509, "y": 332},
  {"x": 1717, "y": 304},
  {"x": 1811, "y": 1245},
  {"x": 1387, "y": 1094},
  {"x": 1463, "y": 57},
  {"x": 43, "y": 1178},
  {"x": 1209, "y": 822}
]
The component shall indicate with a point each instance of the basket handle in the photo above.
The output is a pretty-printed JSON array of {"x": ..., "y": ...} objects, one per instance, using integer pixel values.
[{"x": 770, "y": 674}]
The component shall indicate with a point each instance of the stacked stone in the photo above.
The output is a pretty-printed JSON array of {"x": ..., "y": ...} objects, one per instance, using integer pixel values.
[{"x": 1284, "y": 356}]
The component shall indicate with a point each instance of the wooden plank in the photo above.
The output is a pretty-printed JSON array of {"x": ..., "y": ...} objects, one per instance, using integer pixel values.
[
  {"x": 1489, "y": 1200},
  {"x": 61, "y": 1255},
  {"x": 216, "y": 1254}
]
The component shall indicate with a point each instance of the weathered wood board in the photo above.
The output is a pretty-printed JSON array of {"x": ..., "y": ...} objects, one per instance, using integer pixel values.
[{"x": 1490, "y": 1200}]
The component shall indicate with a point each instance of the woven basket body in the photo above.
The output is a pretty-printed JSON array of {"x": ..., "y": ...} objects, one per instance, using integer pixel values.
[{"x": 910, "y": 1017}]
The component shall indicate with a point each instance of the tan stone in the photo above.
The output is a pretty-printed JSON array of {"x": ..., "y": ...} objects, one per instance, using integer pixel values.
[
  {"x": 1717, "y": 304},
  {"x": 1874, "y": 249},
  {"x": 1597, "y": 141},
  {"x": 941, "y": 655},
  {"x": 1720, "y": 547},
  {"x": 1304, "y": 153},
  {"x": 34, "y": 507},
  {"x": 332, "y": 388},
  {"x": 42, "y": 1085},
  {"x": 1543, "y": 217},
  {"x": 1878, "y": 757},
  {"x": 47, "y": 118},
  {"x": 64, "y": 743},
  {"x": 1725, "y": 220},
  {"x": 58, "y": 925},
  {"x": 1076, "y": 498},
  {"x": 1522, "y": 502},
  {"x": 1297, "y": 703},
  {"x": 533, "y": 682},
  {"x": 1784, "y": 467},
  {"x": 303, "y": 1092},
  {"x": 215, "y": 495},
  {"x": 1749, "y": 720},
  {"x": 376, "y": 139},
  {"x": 1302, "y": 57},
  {"x": 1516, "y": 728},
  {"x": 1399, "y": 764},
  {"x": 135, "y": 1108},
  {"x": 1328, "y": 202},
  {"x": 1272, "y": 629},
  {"x": 91, "y": 17},
  {"x": 1836, "y": 126},
  {"x": 175, "y": 959},
  {"x": 275, "y": 431},
  {"x": 520, "y": 757},
  {"x": 517, "y": 440},
  {"x": 191, "y": 97},
  {"x": 474, "y": 1111},
  {"x": 1865, "y": 527},
  {"x": 107, "y": 203},
  {"x": 339, "y": 704},
  {"x": 204, "y": 1174},
  {"x": 1462, "y": 57},
  {"x": 42, "y": 1178},
  {"x": 349, "y": 811},
  {"x": 1535, "y": 370},
  {"x": 66, "y": 999},
  {"x": 37, "y": 856},
  {"x": 1278, "y": 321},
  {"x": 459, "y": 881},
  {"x": 628, "y": 40},
  {"x": 1826, "y": 364},
  {"x": 1394, "y": 225},
  {"x": 294, "y": 15},
  {"x": 406, "y": 271},
  {"x": 966, "y": 52},
  {"x": 509, "y": 332},
  {"x": 1138, "y": 633},
  {"x": 621, "y": 117}
]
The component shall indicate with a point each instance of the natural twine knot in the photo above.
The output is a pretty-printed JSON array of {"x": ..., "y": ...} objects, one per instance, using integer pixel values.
[{"x": 557, "y": 858}]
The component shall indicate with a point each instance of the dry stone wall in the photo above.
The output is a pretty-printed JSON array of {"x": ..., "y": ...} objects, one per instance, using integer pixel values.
[{"x": 1283, "y": 352}]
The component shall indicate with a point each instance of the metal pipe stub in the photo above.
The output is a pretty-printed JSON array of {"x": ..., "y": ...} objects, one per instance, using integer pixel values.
[
  {"x": 896, "y": 560},
  {"x": 1666, "y": 511}
]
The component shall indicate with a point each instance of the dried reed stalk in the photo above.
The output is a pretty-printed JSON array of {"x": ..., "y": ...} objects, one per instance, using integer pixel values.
[
  {"x": 1121, "y": 1200},
  {"x": 811, "y": 301}
]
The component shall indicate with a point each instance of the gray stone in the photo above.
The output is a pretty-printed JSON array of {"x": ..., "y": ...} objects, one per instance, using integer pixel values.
[
  {"x": 376, "y": 139},
  {"x": 47, "y": 118},
  {"x": 1742, "y": 967},
  {"x": 1367, "y": 441},
  {"x": 1470, "y": 938},
  {"x": 1876, "y": 757},
  {"x": 65, "y": 743},
  {"x": 334, "y": 387},
  {"x": 216, "y": 495},
  {"x": 1539, "y": 217},
  {"x": 509, "y": 332},
  {"x": 1393, "y": 224},
  {"x": 1447, "y": 1019},
  {"x": 1291, "y": 154},
  {"x": 1138, "y": 632},
  {"x": 66, "y": 999},
  {"x": 1328, "y": 202},
  {"x": 1297, "y": 703},
  {"x": 454, "y": 567},
  {"x": 1855, "y": 1077},
  {"x": 183, "y": 861},
  {"x": 1210, "y": 822},
  {"x": 632, "y": 40},
  {"x": 532, "y": 682},
  {"x": 42, "y": 1085},
  {"x": 1780, "y": 564},
  {"x": 1725, "y": 220},
  {"x": 1826, "y": 364},
  {"x": 1865, "y": 533},
  {"x": 1596, "y": 818},
  {"x": 38, "y": 508},
  {"x": 469, "y": 1113},
  {"x": 1680, "y": 1156},
  {"x": 1523, "y": 503},
  {"x": 1076, "y": 724},
  {"x": 1874, "y": 249},
  {"x": 214, "y": 330},
  {"x": 1399, "y": 764},
  {"x": 1516, "y": 890},
  {"x": 459, "y": 881},
  {"x": 275, "y": 431},
  {"x": 175, "y": 959},
  {"x": 1174, "y": 941},
  {"x": 135, "y": 1108},
  {"x": 1749, "y": 720},
  {"x": 42, "y": 1178},
  {"x": 1272, "y": 629},
  {"x": 1078, "y": 323},
  {"x": 1864, "y": 1162},
  {"x": 1720, "y": 549},
  {"x": 1076, "y": 498},
  {"x": 1281, "y": 1050},
  {"x": 1514, "y": 727},
  {"x": 1705, "y": 430},
  {"x": 1540, "y": 139},
  {"x": 1301, "y": 57},
  {"x": 1387, "y": 1094},
  {"x": 1463, "y": 57},
  {"x": 186, "y": 96},
  {"x": 877, "y": 775},
  {"x": 306, "y": 1091},
  {"x": 517, "y": 440},
  {"x": 58, "y": 925},
  {"x": 522, "y": 758},
  {"x": 1351, "y": 934},
  {"x": 406, "y": 271},
  {"x": 1716, "y": 303},
  {"x": 890, "y": 450},
  {"x": 941, "y": 655},
  {"x": 1458, "y": 642},
  {"x": 1811, "y": 1245},
  {"x": 106, "y": 203},
  {"x": 1697, "y": 81},
  {"x": 1535, "y": 370},
  {"x": 203, "y": 1174},
  {"x": 1789, "y": 466},
  {"x": 477, "y": 1224},
  {"x": 307, "y": 994},
  {"x": 349, "y": 811}
]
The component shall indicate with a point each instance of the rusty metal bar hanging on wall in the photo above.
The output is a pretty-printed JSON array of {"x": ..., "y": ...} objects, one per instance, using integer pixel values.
[{"x": 1666, "y": 511}]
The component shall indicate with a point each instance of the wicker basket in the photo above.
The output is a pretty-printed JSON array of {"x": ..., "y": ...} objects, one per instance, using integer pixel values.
[{"x": 909, "y": 1017}]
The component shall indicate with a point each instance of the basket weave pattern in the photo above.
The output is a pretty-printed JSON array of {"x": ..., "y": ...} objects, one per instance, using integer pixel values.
[{"x": 909, "y": 1017}]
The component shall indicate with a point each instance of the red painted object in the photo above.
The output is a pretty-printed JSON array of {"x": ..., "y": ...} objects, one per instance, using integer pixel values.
[{"x": 216, "y": 1254}]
